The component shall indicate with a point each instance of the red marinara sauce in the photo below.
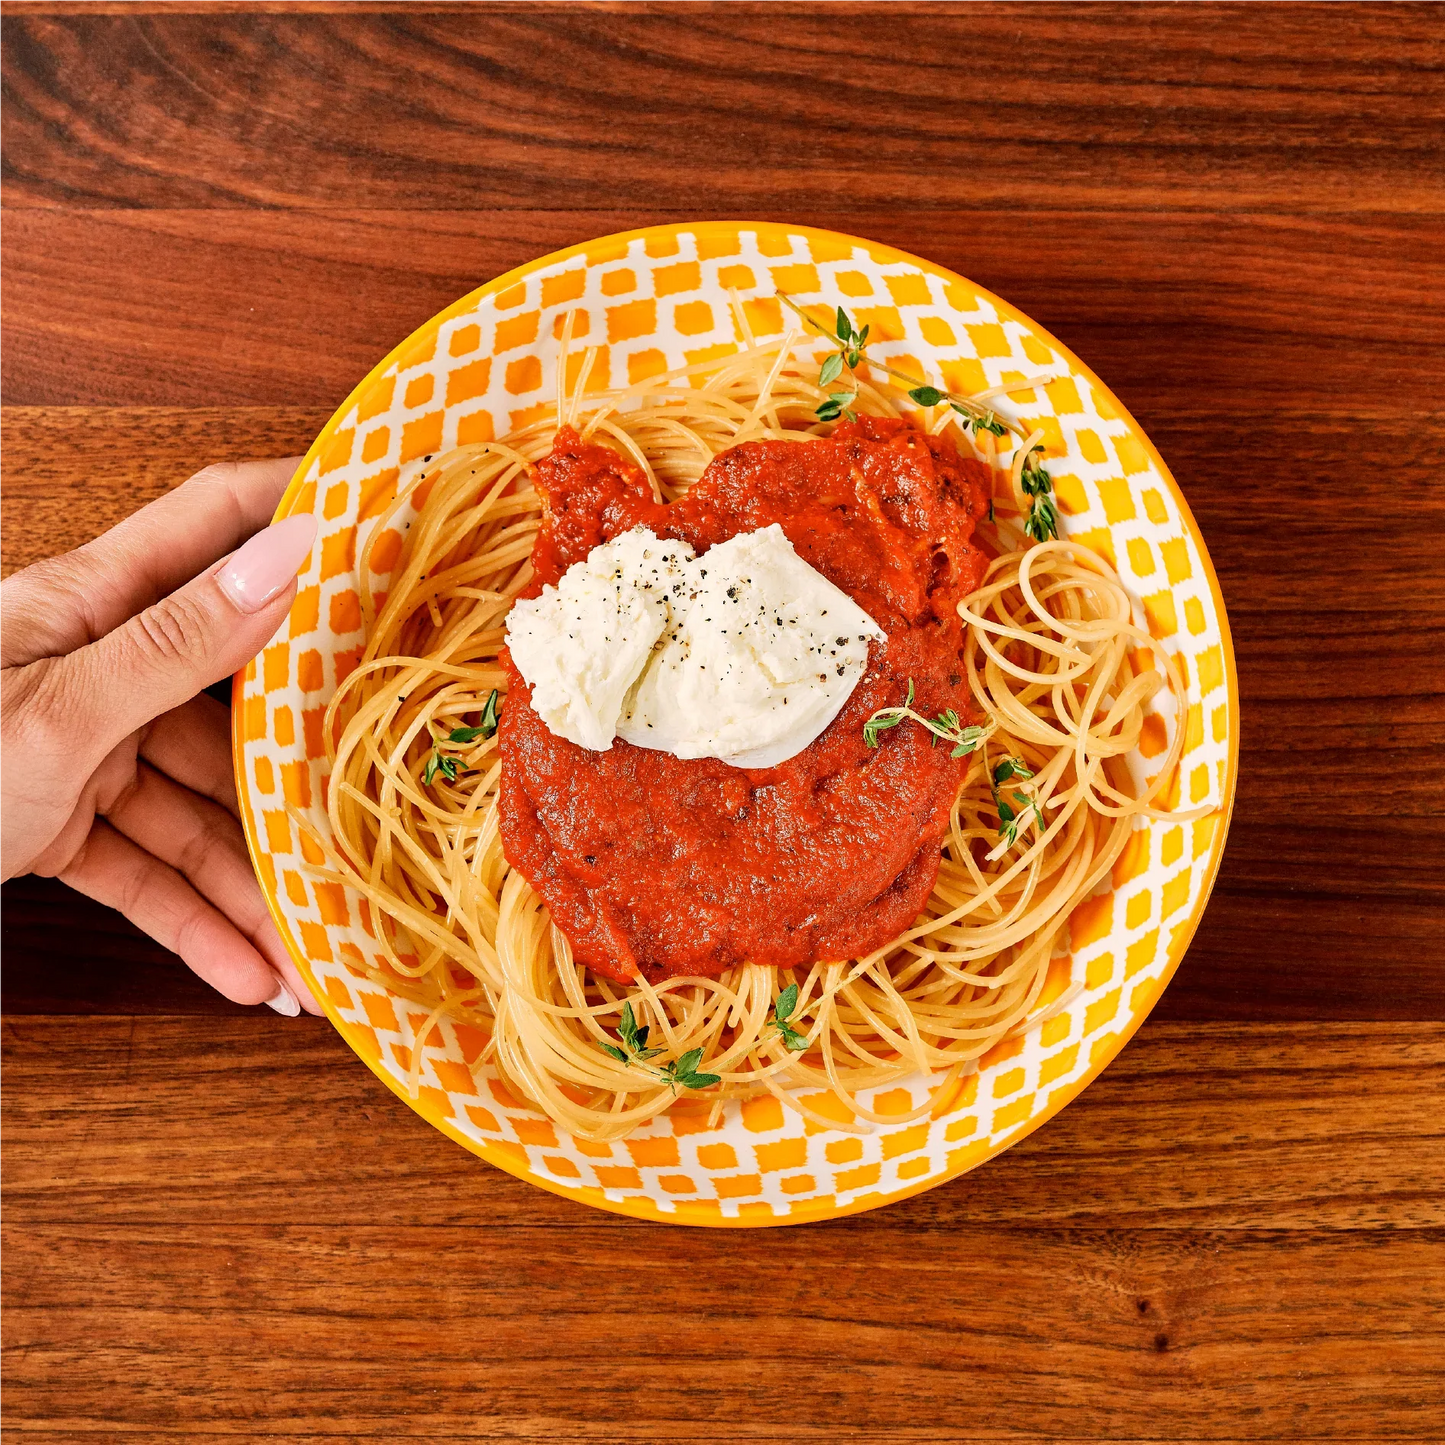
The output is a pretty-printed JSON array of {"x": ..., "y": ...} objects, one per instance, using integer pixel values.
[{"x": 667, "y": 866}]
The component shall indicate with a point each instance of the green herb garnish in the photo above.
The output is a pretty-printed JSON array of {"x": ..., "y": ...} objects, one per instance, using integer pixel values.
[
  {"x": 886, "y": 718},
  {"x": 839, "y": 403},
  {"x": 445, "y": 763},
  {"x": 439, "y": 763},
  {"x": 1011, "y": 768},
  {"x": 684, "y": 1072},
  {"x": 793, "y": 1041},
  {"x": 989, "y": 423},
  {"x": 947, "y": 725},
  {"x": 1011, "y": 819},
  {"x": 634, "y": 1038},
  {"x": 853, "y": 340},
  {"x": 850, "y": 342},
  {"x": 490, "y": 718},
  {"x": 634, "y": 1050},
  {"x": 1042, "y": 522},
  {"x": 849, "y": 354}
]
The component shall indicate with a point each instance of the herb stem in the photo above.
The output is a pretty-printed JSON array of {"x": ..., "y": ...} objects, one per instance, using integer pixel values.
[
  {"x": 1042, "y": 521},
  {"x": 1011, "y": 820},
  {"x": 634, "y": 1052},
  {"x": 963, "y": 403},
  {"x": 947, "y": 725}
]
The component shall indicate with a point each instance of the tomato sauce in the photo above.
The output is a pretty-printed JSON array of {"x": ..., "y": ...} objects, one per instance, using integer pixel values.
[{"x": 670, "y": 866}]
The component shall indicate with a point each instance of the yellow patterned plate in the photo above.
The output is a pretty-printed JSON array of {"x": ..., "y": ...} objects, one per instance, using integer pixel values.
[{"x": 653, "y": 300}]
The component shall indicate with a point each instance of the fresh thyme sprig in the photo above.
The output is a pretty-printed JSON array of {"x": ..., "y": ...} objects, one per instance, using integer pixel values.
[
  {"x": 849, "y": 354},
  {"x": 681, "y": 1072},
  {"x": 947, "y": 725},
  {"x": 684, "y": 1073},
  {"x": 1042, "y": 522},
  {"x": 635, "y": 1039},
  {"x": 1011, "y": 768},
  {"x": 1011, "y": 820},
  {"x": 793, "y": 1041},
  {"x": 446, "y": 763},
  {"x": 851, "y": 340}
]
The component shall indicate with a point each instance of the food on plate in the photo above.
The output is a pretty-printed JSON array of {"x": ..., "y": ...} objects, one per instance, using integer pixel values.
[
  {"x": 670, "y": 858},
  {"x": 747, "y": 730},
  {"x": 735, "y": 655}
]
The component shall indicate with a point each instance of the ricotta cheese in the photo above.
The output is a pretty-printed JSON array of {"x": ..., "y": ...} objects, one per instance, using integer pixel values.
[
  {"x": 762, "y": 659},
  {"x": 745, "y": 654},
  {"x": 583, "y": 643}
]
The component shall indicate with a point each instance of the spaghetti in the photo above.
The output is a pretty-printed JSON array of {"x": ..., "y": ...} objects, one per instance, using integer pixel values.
[{"x": 1056, "y": 664}]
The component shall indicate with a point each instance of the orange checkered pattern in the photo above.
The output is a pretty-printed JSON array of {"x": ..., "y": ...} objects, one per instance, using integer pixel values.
[{"x": 653, "y": 300}]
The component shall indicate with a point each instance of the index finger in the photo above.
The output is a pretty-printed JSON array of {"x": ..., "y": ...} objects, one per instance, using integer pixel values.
[{"x": 69, "y": 601}]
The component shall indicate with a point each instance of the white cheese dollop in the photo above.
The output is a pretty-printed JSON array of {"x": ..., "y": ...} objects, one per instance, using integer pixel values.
[
  {"x": 583, "y": 643},
  {"x": 766, "y": 654},
  {"x": 745, "y": 654}
]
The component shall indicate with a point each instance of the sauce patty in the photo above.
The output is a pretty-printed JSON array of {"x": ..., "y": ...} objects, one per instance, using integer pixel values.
[{"x": 666, "y": 866}]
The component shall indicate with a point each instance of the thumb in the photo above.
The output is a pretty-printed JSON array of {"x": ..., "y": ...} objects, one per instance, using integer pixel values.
[{"x": 201, "y": 633}]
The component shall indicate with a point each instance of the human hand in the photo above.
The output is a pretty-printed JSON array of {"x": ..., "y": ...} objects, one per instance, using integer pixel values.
[{"x": 117, "y": 768}]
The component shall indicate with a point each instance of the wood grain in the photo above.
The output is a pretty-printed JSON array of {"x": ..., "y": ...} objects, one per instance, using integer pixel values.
[
  {"x": 1217, "y": 1126},
  {"x": 1234, "y": 311},
  {"x": 218, "y": 218},
  {"x": 161, "y": 1328},
  {"x": 1120, "y": 107},
  {"x": 1212, "y": 1239},
  {"x": 73, "y": 472}
]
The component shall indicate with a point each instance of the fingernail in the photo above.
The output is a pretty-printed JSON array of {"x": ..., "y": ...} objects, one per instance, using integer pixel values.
[
  {"x": 284, "y": 1002},
  {"x": 255, "y": 573}
]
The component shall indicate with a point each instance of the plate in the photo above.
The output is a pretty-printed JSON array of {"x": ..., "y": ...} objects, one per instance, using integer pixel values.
[{"x": 652, "y": 300}]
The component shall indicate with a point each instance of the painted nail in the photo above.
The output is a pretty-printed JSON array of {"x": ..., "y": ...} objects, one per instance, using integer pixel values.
[
  {"x": 284, "y": 1002},
  {"x": 255, "y": 573}
]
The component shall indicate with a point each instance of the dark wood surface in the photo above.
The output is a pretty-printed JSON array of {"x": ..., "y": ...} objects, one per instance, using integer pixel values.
[{"x": 218, "y": 1224}]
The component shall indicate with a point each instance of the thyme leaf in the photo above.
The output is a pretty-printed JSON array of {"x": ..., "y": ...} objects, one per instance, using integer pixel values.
[
  {"x": 787, "y": 1001},
  {"x": 1011, "y": 768},
  {"x": 681, "y": 1073},
  {"x": 850, "y": 343},
  {"x": 445, "y": 763},
  {"x": 947, "y": 725},
  {"x": 490, "y": 720},
  {"x": 886, "y": 718},
  {"x": 981, "y": 419},
  {"x": 635, "y": 1038},
  {"x": 441, "y": 763},
  {"x": 1012, "y": 820},
  {"x": 1042, "y": 522}
]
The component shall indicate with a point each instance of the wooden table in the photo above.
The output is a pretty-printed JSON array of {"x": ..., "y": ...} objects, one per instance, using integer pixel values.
[{"x": 218, "y": 1224}]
